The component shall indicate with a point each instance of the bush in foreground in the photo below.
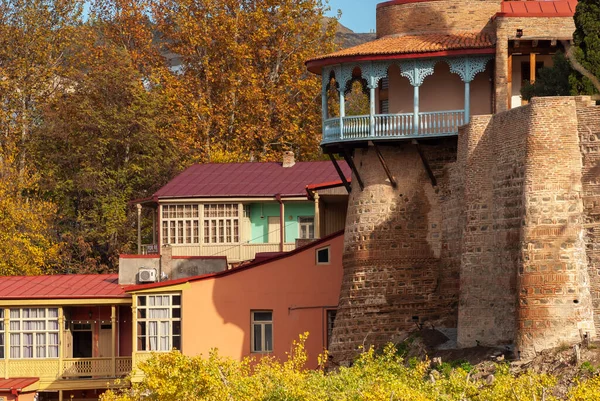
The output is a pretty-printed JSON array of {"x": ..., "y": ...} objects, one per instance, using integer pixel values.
[{"x": 373, "y": 377}]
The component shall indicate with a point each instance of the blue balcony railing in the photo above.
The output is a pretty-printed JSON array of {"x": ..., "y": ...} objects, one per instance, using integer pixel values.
[{"x": 392, "y": 126}]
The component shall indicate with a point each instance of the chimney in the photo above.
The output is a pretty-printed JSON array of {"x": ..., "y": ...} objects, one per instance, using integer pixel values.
[
  {"x": 288, "y": 159},
  {"x": 166, "y": 261}
]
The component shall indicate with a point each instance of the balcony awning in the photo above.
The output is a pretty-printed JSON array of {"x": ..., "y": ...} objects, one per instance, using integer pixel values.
[
  {"x": 17, "y": 384},
  {"x": 409, "y": 46}
]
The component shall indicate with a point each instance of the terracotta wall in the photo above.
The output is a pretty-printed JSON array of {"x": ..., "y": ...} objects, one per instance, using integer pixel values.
[
  {"x": 216, "y": 311},
  {"x": 441, "y": 91}
]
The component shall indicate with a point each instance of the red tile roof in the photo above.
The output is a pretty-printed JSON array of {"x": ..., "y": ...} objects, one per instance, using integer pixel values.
[
  {"x": 84, "y": 286},
  {"x": 414, "y": 44},
  {"x": 249, "y": 179},
  {"x": 17, "y": 383},
  {"x": 560, "y": 8}
]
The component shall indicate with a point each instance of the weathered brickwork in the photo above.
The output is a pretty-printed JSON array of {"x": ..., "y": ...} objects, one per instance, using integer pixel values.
[
  {"x": 589, "y": 136},
  {"x": 443, "y": 16},
  {"x": 394, "y": 277},
  {"x": 494, "y": 162}
]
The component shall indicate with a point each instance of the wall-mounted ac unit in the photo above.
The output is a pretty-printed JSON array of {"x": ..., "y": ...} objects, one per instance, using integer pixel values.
[{"x": 147, "y": 275}]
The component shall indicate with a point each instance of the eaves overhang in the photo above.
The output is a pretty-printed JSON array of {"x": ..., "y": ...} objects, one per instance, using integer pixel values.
[{"x": 315, "y": 66}]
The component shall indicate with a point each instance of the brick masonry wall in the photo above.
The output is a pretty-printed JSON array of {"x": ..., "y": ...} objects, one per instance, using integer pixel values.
[
  {"x": 493, "y": 153},
  {"x": 553, "y": 282},
  {"x": 589, "y": 136},
  {"x": 394, "y": 276},
  {"x": 436, "y": 16}
]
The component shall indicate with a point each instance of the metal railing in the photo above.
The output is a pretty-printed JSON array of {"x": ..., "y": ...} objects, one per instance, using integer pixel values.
[{"x": 392, "y": 126}]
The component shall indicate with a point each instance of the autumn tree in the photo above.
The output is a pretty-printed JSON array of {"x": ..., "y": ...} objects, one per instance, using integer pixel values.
[
  {"x": 26, "y": 246},
  {"x": 101, "y": 145},
  {"x": 240, "y": 82},
  {"x": 36, "y": 38}
]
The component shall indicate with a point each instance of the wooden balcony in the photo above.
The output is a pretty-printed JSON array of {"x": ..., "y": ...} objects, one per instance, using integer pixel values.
[
  {"x": 233, "y": 252},
  {"x": 54, "y": 369},
  {"x": 392, "y": 126}
]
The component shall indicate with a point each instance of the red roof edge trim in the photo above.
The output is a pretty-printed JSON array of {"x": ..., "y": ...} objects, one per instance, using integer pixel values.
[
  {"x": 395, "y": 2},
  {"x": 149, "y": 199},
  {"x": 129, "y": 256},
  {"x": 199, "y": 257},
  {"x": 532, "y": 15},
  {"x": 314, "y": 65},
  {"x": 133, "y": 288},
  {"x": 327, "y": 185}
]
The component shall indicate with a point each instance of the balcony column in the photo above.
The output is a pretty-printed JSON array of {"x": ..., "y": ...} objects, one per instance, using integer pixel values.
[
  {"x": 61, "y": 336},
  {"x": 342, "y": 109},
  {"x": 113, "y": 337},
  {"x": 467, "y": 68},
  {"x": 372, "y": 87},
  {"x": 416, "y": 110},
  {"x": 317, "y": 226},
  {"x": 6, "y": 341},
  {"x": 416, "y": 71}
]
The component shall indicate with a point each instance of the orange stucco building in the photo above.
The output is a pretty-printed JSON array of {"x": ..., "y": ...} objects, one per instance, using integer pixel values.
[{"x": 259, "y": 309}]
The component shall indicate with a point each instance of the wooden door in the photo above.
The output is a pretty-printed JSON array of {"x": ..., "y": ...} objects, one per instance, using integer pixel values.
[
  {"x": 105, "y": 341},
  {"x": 273, "y": 229}
]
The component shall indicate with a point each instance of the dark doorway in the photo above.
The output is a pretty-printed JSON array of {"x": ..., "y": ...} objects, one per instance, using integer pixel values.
[{"x": 82, "y": 341}]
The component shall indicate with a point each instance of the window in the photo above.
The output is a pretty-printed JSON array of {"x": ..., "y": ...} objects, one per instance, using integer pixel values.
[
  {"x": 180, "y": 224},
  {"x": 34, "y": 333},
  {"x": 221, "y": 223},
  {"x": 262, "y": 331},
  {"x": 1, "y": 333},
  {"x": 159, "y": 322},
  {"x": 306, "y": 227},
  {"x": 323, "y": 256},
  {"x": 330, "y": 321}
]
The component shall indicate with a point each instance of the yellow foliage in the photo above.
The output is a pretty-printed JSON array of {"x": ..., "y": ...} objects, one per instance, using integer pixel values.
[
  {"x": 373, "y": 377},
  {"x": 25, "y": 220}
]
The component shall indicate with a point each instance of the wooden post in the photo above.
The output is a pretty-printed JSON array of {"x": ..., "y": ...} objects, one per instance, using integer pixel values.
[
  {"x": 509, "y": 61},
  {"x": 342, "y": 110},
  {"x": 317, "y": 216},
  {"x": 139, "y": 228},
  {"x": 6, "y": 341},
  {"x": 371, "y": 108},
  {"x": 532, "y": 68},
  {"x": 60, "y": 395},
  {"x": 134, "y": 334},
  {"x": 468, "y": 102},
  {"x": 113, "y": 332},
  {"x": 61, "y": 337}
]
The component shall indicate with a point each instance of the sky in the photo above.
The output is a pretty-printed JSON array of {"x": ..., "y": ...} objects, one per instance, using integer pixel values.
[{"x": 358, "y": 15}]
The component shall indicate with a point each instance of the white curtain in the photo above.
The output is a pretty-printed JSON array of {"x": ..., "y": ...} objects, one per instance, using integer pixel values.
[
  {"x": 40, "y": 345},
  {"x": 27, "y": 345},
  {"x": 53, "y": 345},
  {"x": 15, "y": 342},
  {"x": 153, "y": 335},
  {"x": 164, "y": 336}
]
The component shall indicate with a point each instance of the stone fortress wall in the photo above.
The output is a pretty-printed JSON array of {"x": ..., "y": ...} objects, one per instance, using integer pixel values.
[{"x": 505, "y": 248}]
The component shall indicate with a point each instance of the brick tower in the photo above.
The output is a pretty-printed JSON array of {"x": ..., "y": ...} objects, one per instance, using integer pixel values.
[{"x": 440, "y": 221}]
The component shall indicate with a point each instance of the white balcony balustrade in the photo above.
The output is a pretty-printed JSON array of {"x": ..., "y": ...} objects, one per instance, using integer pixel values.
[{"x": 413, "y": 125}]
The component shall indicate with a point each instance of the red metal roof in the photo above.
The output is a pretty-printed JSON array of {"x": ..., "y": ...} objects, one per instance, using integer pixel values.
[
  {"x": 17, "y": 383},
  {"x": 249, "y": 179},
  {"x": 559, "y": 8},
  {"x": 84, "y": 286}
]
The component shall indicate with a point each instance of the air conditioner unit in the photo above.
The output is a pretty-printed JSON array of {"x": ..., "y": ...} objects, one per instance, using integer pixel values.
[{"x": 147, "y": 275}]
